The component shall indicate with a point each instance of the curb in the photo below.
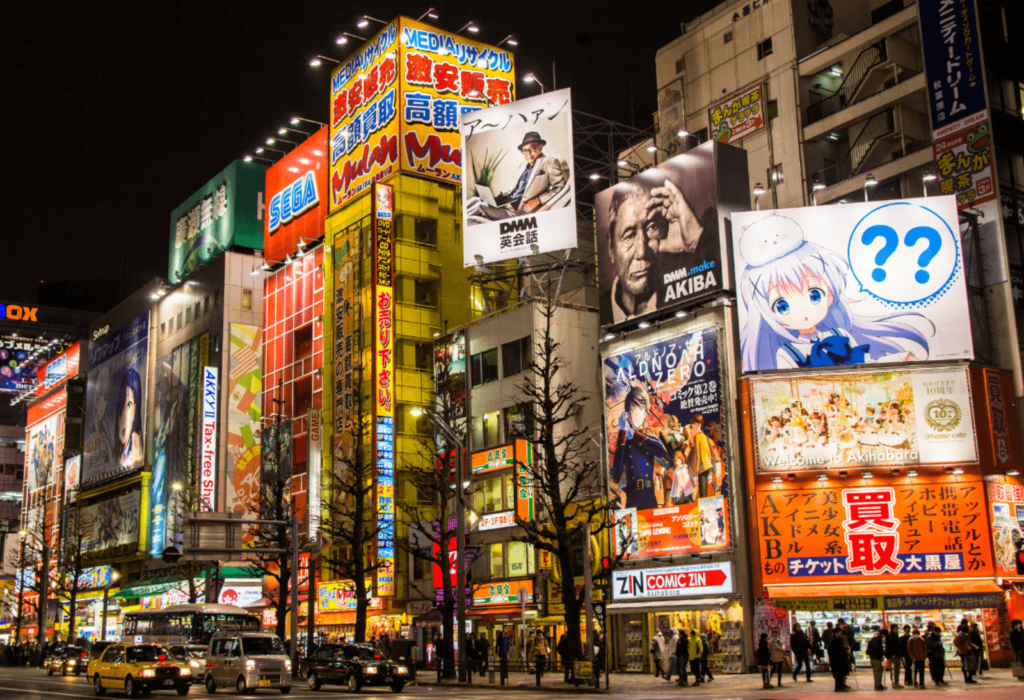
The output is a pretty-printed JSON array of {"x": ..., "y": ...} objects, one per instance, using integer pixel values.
[{"x": 510, "y": 687}]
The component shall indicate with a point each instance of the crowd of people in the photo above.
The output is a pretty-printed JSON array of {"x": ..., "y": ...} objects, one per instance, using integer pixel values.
[{"x": 679, "y": 651}]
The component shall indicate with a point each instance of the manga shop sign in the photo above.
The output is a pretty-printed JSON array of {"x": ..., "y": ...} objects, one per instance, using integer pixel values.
[
  {"x": 904, "y": 531},
  {"x": 964, "y": 164},
  {"x": 670, "y": 581},
  {"x": 739, "y": 116}
]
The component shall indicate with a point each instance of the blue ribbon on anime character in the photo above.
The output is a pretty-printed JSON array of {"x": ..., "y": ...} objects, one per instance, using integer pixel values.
[{"x": 788, "y": 276}]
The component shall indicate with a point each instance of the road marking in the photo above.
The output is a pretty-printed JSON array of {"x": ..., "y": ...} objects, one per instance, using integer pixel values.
[{"x": 44, "y": 692}]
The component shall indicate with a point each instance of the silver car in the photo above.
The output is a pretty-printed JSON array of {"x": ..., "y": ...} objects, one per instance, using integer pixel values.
[{"x": 247, "y": 661}]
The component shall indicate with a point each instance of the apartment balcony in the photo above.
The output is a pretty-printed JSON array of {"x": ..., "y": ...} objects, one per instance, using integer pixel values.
[{"x": 852, "y": 189}]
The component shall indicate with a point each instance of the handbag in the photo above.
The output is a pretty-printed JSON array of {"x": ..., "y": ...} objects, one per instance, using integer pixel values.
[{"x": 1017, "y": 669}]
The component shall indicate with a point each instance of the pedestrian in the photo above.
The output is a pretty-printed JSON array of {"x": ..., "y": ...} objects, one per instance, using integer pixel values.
[
  {"x": 705, "y": 656},
  {"x": 763, "y": 657},
  {"x": 894, "y": 654},
  {"x": 966, "y": 651},
  {"x": 917, "y": 652},
  {"x": 540, "y": 653},
  {"x": 817, "y": 651},
  {"x": 979, "y": 648},
  {"x": 483, "y": 650},
  {"x": 657, "y": 648},
  {"x": 1017, "y": 641},
  {"x": 668, "y": 653},
  {"x": 826, "y": 636},
  {"x": 908, "y": 667},
  {"x": 876, "y": 653},
  {"x": 563, "y": 656},
  {"x": 936, "y": 656},
  {"x": 801, "y": 648},
  {"x": 838, "y": 659},
  {"x": 778, "y": 653},
  {"x": 694, "y": 650},
  {"x": 599, "y": 652},
  {"x": 682, "y": 655}
]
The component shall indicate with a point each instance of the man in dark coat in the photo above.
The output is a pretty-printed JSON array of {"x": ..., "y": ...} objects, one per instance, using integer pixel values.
[
  {"x": 801, "y": 648},
  {"x": 838, "y": 659},
  {"x": 894, "y": 654},
  {"x": 908, "y": 665},
  {"x": 483, "y": 649},
  {"x": 682, "y": 656},
  {"x": 936, "y": 657}
]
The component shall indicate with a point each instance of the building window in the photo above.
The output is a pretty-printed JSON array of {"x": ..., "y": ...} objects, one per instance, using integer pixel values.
[
  {"x": 515, "y": 356},
  {"x": 188, "y": 315},
  {"x": 520, "y": 559},
  {"x": 773, "y": 109},
  {"x": 701, "y": 136},
  {"x": 680, "y": 65},
  {"x": 163, "y": 329},
  {"x": 485, "y": 367},
  {"x": 179, "y": 320},
  {"x": 764, "y": 49},
  {"x": 206, "y": 305},
  {"x": 246, "y": 300},
  {"x": 497, "y": 560},
  {"x": 728, "y": 37},
  {"x": 775, "y": 175},
  {"x": 518, "y": 424},
  {"x": 485, "y": 431},
  {"x": 195, "y": 312},
  {"x": 421, "y": 566},
  {"x": 216, "y": 298}
]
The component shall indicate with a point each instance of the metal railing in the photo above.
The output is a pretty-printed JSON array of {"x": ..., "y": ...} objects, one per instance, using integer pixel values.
[
  {"x": 879, "y": 126},
  {"x": 866, "y": 60}
]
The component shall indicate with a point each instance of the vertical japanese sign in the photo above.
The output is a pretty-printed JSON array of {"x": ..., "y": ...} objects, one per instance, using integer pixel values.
[
  {"x": 171, "y": 455},
  {"x": 892, "y": 531},
  {"x": 314, "y": 476},
  {"x": 669, "y": 463},
  {"x": 957, "y": 101},
  {"x": 1006, "y": 502},
  {"x": 208, "y": 452},
  {"x": 997, "y": 416},
  {"x": 347, "y": 372},
  {"x": 384, "y": 404},
  {"x": 739, "y": 116},
  {"x": 524, "y": 480}
]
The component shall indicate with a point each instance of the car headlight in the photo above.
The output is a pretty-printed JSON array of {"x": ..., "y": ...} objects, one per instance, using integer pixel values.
[
  {"x": 195, "y": 663},
  {"x": 370, "y": 670},
  {"x": 186, "y": 671},
  {"x": 402, "y": 669},
  {"x": 250, "y": 665},
  {"x": 147, "y": 673},
  {"x": 287, "y": 664},
  {"x": 72, "y": 662}
]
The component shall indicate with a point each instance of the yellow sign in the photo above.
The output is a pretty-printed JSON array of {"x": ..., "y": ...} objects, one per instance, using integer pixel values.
[
  {"x": 823, "y": 604},
  {"x": 384, "y": 403},
  {"x": 583, "y": 670}
]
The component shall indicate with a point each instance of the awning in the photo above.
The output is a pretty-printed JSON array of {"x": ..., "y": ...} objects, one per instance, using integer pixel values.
[
  {"x": 911, "y": 595},
  {"x": 498, "y": 612},
  {"x": 150, "y": 587},
  {"x": 671, "y": 605}
]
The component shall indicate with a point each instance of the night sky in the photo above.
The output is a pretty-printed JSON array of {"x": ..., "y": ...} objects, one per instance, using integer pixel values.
[{"x": 116, "y": 112}]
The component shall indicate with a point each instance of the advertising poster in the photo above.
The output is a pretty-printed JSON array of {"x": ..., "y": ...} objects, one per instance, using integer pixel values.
[
  {"x": 863, "y": 420},
  {"x": 518, "y": 194},
  {"x": 59, "y": 369},
  {"x": 111, "y": 523},
  {"x": 245, "y": 389},
  {"x": 170, "y": 443},
  {"x": 865, "y": 282},
  {"x": 228, "y": 210},
  {"x": 338, "y": 596},
  {"x": 963, "y": 161},
  {"x": 20, "y": 361},
  {"x": 669, "y": 463},
  {"x": 739, "y": 116},
  {"x": 661, "y": 233},
  {"x": 450, "y": 367},
  {"x": 1007, "y": 512},
  {"x": 888, "y": 533},
  {"x": 43, "y": 452},
  {"x": 952, "y": 61},
  {"x": 115, "y": 401},
  {"x": 384, "y": 389},
  {"x": 296, "y": 189}
]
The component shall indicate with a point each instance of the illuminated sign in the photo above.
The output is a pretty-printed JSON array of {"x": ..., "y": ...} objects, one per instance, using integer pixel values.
[
  {"x": 502, "y": 593},
  {"x": 314, "y": 466},
  {"x": 496, "y": 521},
  {"x": 58, "y": 370},
  {"x": 208, "y": 455},
  {"x": 14, "y": 312},
  {"x": 384, "y": 402},
  {"x": 341, "y": 595},
  {"x": 669, "y": 581},
  {"x": 296, "y": 201},
  {"x": 492, "y": 460},
  {"x": 293, "y": 201}
]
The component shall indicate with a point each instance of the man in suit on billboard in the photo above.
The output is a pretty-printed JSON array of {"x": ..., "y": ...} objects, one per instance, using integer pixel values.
[{"x": 539, "y": 180}]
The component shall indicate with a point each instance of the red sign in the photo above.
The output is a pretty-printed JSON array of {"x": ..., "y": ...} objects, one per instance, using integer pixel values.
[
  {"x": 58, "y": 370},
  {"x": 453, "y": 555},
  {"x": 296, "y": 198},
  {"x": 699, "y": 579}
]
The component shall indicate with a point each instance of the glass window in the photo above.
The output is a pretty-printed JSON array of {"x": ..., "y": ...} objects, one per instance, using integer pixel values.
[
  {"x": 246, "y": 300},
  {"x": 764, "y": 49},
  {"x": 195, "y": 312},
  {"x": 517, "y": 559},
  {"x": 262, "y": 646},
  {"x": 510, "y": 492},
  {"x": 179, "y": 321},
  {"x": 497, "y": 559},
  {"x": 517, "y": 423},
  {"x": 163, "y": 329},
  {"x": 138, "y": 654},
  {"x": 485, "y": 430},
  {"x": 515, "y": 356},
  {"x": 491, "y": 494},
  {"x": 485, "y": 367},
  {"x": 188, "y": 315}
]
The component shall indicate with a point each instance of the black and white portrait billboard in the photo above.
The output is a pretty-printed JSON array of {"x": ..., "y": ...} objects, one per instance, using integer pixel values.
[{"x": 518, "y": 193}]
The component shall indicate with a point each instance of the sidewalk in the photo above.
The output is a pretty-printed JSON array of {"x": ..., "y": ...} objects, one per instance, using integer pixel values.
[{"x": 733, "y": 684}]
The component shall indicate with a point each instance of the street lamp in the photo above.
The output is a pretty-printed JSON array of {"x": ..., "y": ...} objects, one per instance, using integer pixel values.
[
  {"x": 927, "y": 177},
  {"x": 345, "y": 36},
  {"x": 654, "y": 149},
  {"x": 318, "y": 59},
  {"x": 531, "y": 78},
  {"x": 471, "y": 26},
  {"x": 296, "y": 120},
  {"x": 816, "y": 188},
  {"x": 365, "y": 20},
  {"x": 283, "y": 131},
  {"x": 511, "y": 39},
  {"x": 869, "y": 181}
]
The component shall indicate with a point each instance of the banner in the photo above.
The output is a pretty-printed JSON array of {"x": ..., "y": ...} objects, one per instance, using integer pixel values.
[
  {"x": 502, "y": 593},
  {"x": 208, "y": 438},
  {"x": 115, "y": 401},
  {"x": 170, "y": 444},
  {"x": 335, "y": 596},
  {"x": 314, "y": 475},
  {"x": 245, "y": 391},
  {"x": 112, "y": 522},
  {"x": 739, "y": 116},
  {"x": 673, "y": 581},
  {"x": 518, "y": 193},
  {"x": 669, "y": 460},
  {"x": 43, "y": 452},
  {"x": 661, "y": 233},
  {"x": 927, "y": 531},
  {"x": 1007, "y": 504},
  {"x": 59, "y": 369},
  {"x": 863, "y": 420},
  {"x": 865, "y": 282},
  {"x": 20, "y": 361}
]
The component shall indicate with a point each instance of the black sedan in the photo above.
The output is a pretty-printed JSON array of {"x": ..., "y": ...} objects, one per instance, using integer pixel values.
[
  {"x": 354, "y": 666},
  {"x": 65, "y": 660}
]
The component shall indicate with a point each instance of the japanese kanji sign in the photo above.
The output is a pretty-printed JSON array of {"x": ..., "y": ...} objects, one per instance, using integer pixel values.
[
  {"x": 384, "y": 382},
  {"x": 895, "y": 530},
  {"x": 1006, "y": 504},
  {"x": 963, "y": 163},
  {"x": 739, "y": 116}
]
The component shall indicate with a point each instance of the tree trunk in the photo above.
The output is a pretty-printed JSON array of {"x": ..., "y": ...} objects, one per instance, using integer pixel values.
[
  {"x": 571, "y": 617},
  {"x": 282, "y": 601}
]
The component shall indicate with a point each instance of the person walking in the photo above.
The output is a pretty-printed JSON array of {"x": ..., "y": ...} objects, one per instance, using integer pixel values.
[
  {"x": 936, "y": 656},
  {"x": 694, "y": 651},
  {"x": 668, "y": 653},
  {"x": 838, "y": 659},
  {"x": 817, "y": 651},
  {"x": 979, "y": 648},
  {"x": 483, "y": 650},
  {"x": 682, "y": 656},
  {"x": 541, "y": 649},
  {"x": 657, "y": 647},
  {"x": 826, "y": 636},
  {"x": 563, "y": 656},
  {"x": 966, "y": 651},
  {"x": 908, "y": 666},
  {"x": 1017, "y": 641},
  {"x": 801, "y": 648},
  {"x": 876, "y": 654},
  {"x": 705, "y": 656},
  {"x": 778, "y": 653},
  {"x": 763, "y": 657},
  {"x": 917, "y": 652},
  {"x": 894, "y": 653}
]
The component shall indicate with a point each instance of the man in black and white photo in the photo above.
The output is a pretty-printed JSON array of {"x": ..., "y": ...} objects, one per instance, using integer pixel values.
[{"x": 540, "y": 181}]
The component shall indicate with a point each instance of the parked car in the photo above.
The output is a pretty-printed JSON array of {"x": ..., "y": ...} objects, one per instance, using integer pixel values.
[
  {"x": 66, "y": 659},
  {"x": 354, "y": 666},
  {"x": 138, "y": 668},
  {"x": 247, "y": 661}
]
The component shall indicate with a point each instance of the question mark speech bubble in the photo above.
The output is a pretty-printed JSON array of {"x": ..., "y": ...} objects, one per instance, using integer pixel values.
[{"x": 898, "y": 273}]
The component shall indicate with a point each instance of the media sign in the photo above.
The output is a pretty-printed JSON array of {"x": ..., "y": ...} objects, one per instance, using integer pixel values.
[
  {"x": 496, "y": 521},
  {"x": 296, "y": 189},
  {"x": 208, "y": 438},
  {"x": 674, "y": 581},
  {"x": 384, "y": 391}
]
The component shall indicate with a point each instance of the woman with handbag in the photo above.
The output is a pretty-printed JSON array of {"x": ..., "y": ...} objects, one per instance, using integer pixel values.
[{"x": 965, "y": 650}]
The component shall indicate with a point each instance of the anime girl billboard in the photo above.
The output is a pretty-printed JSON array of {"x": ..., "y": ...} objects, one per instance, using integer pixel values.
[{"x": 851, "y": 285}]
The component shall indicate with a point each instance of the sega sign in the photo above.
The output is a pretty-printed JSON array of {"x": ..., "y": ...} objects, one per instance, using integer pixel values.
[
  {"x": 293, "y": 201},
  {"x": 673, "y": 581}
]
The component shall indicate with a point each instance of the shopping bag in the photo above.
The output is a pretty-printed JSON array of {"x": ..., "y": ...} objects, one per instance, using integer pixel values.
[{"x": 1017, "y": 669}]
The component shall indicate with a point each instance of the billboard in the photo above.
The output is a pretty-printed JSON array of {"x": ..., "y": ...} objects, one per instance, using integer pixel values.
[
  {"x": 112, "y": 522},
  {"x": 865, "y": 282},
  {"x": 518, "y": 204},
  {"x": 245, "y": 388},
  {"x": 59, "y": 369},
  {"x": 296, "y": 188},
  {"x": 913, "y": 530},
  {"x": 503, "y": 593},
  {"x": 963, "y": 161},
  {"x": 115, "y": 401},
  {"x": 673, "y": 581},
  {"x": 662, "y": 233},
  {"x": 1006, "y": 502},
  {"x": 669, "y": 460},
  {"x": 208, "y": 437},
  {"x": 737, "y": 117},
  {"x": 20, "y": 361},
  {"x": 335, "y": 596},
  {"x": 227, "y": 211},
  {"x": 170, "y": 442},
  {"x": 396, "y": 103},
  {"x": 858, "y": 420},
  {"x": 43, "y": 452}
]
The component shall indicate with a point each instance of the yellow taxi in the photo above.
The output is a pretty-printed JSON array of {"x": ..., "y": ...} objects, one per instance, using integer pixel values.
[{"x": 138, "y": 668}]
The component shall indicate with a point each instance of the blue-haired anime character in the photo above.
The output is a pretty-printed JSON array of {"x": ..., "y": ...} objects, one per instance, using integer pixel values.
[
  {"x": 797, "y": 315},
  {"x": 129, "y": 419}
]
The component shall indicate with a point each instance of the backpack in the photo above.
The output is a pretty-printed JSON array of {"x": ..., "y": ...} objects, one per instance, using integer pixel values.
[
  {"x": 876, "y": 650},
  {"x": 854, "y": 644}
]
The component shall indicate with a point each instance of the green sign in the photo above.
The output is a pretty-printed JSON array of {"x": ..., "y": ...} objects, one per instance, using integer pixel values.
[{"x": 227, "y": 211}]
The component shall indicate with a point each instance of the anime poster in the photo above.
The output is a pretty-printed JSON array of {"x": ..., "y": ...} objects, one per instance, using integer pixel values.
[
  {"x": 42, "y": 452},
  {"x": 111, "y": 523},
  {"x": 1007, "y": 504},
  {"x": 858, "y": 419},
  {"x": 115, "y": 402},
  {"x": 245, "y": 389},
  {"x": 873, "y": 282},
  {"x": 275, "y": 463},
  {"x": 669, "y": 461},
  {"x": 170, "y": 444},
  {"x": 20, "y": 361}
]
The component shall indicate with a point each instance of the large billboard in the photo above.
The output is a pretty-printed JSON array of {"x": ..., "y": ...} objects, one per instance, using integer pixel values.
[
  {"x": 845, "y": 420},
  {"x": 1006, "y": 501},
  {"x": 662, "y": 233},
  {"x": 112, "y": 522},
  {"x": 396, "y": 103},
  {"x": 21, "y": 359},
  {"x": 669, "y": 461},
  {"x": 43, "y": 452},
  {"x": 60, "y": 369},
  {"x": 227, "y": 211},
  {"x": 245, "y": 389},
  {"x": 518, "y": 192},
  {"x": 866, "y": 282},
  {"x": 170, "y": 443},
  {"x": 115, "y": 401},
  {"x": 296, "y": 189},
  {"x": 916, "y": 529}
]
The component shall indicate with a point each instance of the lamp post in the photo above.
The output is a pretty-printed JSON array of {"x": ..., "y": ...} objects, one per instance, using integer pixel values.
[
  {"x": 869, "y": 181},
  {"x": 654, "y": 149},
  {"x": 531, "y": 78},
  {"x": 927, "y": 177},
  {"x": 758, "y": 191}
]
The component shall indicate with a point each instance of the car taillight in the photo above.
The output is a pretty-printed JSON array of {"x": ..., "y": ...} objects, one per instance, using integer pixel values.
[
  {"x": 161, "y": 657},
  {"x": 376, "y": 656}
]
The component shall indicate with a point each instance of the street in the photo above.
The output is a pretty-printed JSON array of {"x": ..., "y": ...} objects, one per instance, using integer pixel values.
[{"x": 33, "y": 684}]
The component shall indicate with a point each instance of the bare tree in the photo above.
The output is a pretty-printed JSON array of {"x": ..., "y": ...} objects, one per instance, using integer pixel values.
[{"x": 72, "y": 564}]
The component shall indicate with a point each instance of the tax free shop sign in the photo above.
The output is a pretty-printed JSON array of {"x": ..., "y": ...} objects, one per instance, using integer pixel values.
[{"x": 673, "y": 581}]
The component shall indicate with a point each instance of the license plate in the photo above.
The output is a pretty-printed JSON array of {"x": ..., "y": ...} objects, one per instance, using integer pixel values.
[
  {"x": 264, "y": 684},
  {"x": 389, "y": 679},
  {"x": 169, "y": 681}
]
